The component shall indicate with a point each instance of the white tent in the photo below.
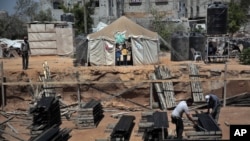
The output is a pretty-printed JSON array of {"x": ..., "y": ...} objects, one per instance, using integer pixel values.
[{"x": 144, "y": 43}]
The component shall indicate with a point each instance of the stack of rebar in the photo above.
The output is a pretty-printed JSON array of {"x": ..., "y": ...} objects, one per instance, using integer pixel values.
[
  {"x": 46, "y": 113},
  {"x": 123, "y": 128},
  {"x": 89, "y": 115}
]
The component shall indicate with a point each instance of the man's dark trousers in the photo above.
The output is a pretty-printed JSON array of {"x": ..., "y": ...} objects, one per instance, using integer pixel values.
[
  {"x": 179, "y": 126},
  {"x": 125, "y": 60},
  {"x": 25, "y": 57}
]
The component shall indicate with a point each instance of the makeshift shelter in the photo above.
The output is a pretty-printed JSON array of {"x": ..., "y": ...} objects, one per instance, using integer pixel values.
[
  {"x": 51, "y": 38},
  {"x": 144, "y": 43}
]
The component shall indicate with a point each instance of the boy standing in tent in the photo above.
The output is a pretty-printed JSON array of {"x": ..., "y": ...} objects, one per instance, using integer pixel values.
[{"x": 124, "y": 54}]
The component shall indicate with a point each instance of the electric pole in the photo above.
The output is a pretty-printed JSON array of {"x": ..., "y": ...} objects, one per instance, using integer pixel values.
[{"x": 85, "y": 16}]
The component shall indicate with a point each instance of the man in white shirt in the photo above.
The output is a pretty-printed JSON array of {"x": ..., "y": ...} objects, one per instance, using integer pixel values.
[{"x": 177, "y": 113}]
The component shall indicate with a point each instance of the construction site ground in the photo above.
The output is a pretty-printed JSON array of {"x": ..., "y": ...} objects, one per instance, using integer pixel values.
[{"x": 19, "y": 99}]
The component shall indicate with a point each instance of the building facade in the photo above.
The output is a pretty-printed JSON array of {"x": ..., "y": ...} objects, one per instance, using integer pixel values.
[{"x": 138, "y": 10}]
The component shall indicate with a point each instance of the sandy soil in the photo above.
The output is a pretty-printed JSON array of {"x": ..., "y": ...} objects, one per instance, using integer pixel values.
[{"x": 13, "y": 70}]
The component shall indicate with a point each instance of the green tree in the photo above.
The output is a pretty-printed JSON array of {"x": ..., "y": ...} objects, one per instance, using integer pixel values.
[
  {"x": 158, "y": 25},
  {"x": 244, "y": 4},
  {"x": 236, "y": 17},
  {"x": 245, "y": 57},
  {"x": 12, "y": 27},
  {"x": 43, "y": 16},
  {"x": 164, "y": 29},
  {"x": 78, "y": 12},
  {"x": 26, "y": 9}
]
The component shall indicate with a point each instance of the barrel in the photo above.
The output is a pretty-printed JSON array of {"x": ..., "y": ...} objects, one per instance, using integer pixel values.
[
  {"x": 217, "y": 18},
  {"x": 197, "y": 41},
  {"x": 179, "y": 46}
]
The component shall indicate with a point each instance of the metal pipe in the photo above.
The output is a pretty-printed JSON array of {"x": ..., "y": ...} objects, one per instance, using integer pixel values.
[
  {"x": 151, "y": 96},
  {"x": 225, "y": 86},
  {"x": 2, "y": 86},
  {"x": 85, "y": 17}
]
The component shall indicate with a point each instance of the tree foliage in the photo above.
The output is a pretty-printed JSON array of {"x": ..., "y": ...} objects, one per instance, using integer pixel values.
[
  {"x": 164, "y": 28},
  {"x": 44, "y": 16},
  {"x": 244, "y": 4},
  {"x": 78, "y": 12},
  {"x": 26, "y": 9},
  {"x": 236, "y": 17},
  {"x": 12, "y": 28},
  {"x": 245, "y": 56}
]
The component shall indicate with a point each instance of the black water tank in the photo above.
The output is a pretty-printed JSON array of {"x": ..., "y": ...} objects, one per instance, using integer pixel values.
[
  {"x": 180, "y": 46},
  {"x": 198, "y": 42},
  {"x": 63, "y": 17},
  {"x": 68, "y": 17},
  {"x": 217, "y": 18}
]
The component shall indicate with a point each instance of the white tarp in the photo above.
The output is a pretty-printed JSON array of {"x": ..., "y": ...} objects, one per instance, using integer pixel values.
[
  {"x": 11, "y": 43},
  {"x": 99, "y": 26},
  {"x": 64, "y": 41},
  {"x": 144, "y": 43}
]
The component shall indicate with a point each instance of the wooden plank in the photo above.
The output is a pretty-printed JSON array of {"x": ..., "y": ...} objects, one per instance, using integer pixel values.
[
  {"x": 148, "y": 113},
  {"x": 159, "y": 92},
  {"x": 120, "y": 82},
  {"x": 188, "y": 128},
  {"x": 125, "y": 91},
  {"x": 205, "y": 137},
  {"x": 146, "y": 124},
  {"x": 2, "y": 86},
  {"x": 10, "y": 118},
  {"x": 201, "y": 133},
  {"x": 102, "y": 139}
]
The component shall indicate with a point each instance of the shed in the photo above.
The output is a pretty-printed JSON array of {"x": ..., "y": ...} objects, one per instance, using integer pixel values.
[{"x": 51, "y": 38}]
